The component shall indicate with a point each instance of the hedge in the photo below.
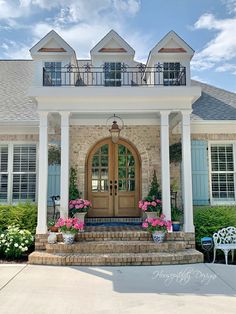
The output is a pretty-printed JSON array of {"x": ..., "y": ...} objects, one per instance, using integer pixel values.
[
  {"x": 24, "y": 215},
  {"x": 209, "y": 220}
]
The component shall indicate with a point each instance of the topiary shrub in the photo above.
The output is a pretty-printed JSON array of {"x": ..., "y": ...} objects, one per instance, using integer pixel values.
[
  {"x": 23, "y": 215},
  {"x": 209, "y": 220}
]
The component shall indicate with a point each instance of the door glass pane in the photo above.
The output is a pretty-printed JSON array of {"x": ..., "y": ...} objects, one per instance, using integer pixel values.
[
  {"x": 100, "y": 169},
  {"x": 126, "y": 170}
]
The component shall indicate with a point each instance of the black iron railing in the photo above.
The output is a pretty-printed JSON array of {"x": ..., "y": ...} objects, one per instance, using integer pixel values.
[{"x": 115, "y": 75}]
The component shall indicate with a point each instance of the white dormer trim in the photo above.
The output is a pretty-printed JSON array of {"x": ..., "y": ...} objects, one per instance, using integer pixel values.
[
  {"x": 172, "y": 36},
  {"x": 66, "y": 48},
  {"x": 96, "y": 50},
  {"x": 187, "y": 52}
]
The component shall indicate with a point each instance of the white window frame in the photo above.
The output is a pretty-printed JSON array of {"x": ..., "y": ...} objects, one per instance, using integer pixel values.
[
  {"x": 10, "y": 169},
  {"x": 226, "y": 142}
]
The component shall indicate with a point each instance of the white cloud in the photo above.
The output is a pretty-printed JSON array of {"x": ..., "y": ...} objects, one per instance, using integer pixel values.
[
  {"x": 128, "y": 6},
  {"x": 81, "y": 23},
  {"x": 230, "y": 5},
  {"x": 222, "y": 48},
  {"x": 14, "y": 50},
  {"x": 227, "y": 67}
]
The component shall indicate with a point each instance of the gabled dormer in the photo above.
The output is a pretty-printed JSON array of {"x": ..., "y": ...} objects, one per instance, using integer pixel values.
[
  {"x": 171, "y": 57},
  {"x": 51, "y": 55},
  {"x": 112, "y": 48}
]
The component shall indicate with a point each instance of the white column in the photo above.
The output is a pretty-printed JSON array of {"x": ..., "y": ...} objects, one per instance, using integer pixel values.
[
  {"x": 187, "y": 173},
  {"x": 165, "y": 164},
  {"x": 43, "y": 173},
  {"x": 65, "y": 129}
]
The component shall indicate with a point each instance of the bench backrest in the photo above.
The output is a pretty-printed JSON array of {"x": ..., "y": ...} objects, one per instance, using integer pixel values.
[{"x": 225, "y": 236}]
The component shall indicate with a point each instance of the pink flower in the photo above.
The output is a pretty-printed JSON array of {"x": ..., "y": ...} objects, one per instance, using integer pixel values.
[
  {"x": 154, "y": 203},
  {"x": 162, "y": 216},
  {"x": 145, "y": 225}
]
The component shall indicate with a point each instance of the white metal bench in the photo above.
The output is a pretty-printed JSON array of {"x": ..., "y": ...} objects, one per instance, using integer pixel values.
[{"x": 225, "y": 240}]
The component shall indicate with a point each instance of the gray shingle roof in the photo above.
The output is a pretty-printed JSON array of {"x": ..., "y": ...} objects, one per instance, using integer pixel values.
[
  {"x": 15, "y": 79},
  {"x": 214, "y": 104},
  {"x": 15, "y": 106}
]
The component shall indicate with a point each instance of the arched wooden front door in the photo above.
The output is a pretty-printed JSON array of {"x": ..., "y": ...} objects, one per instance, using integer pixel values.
[{"x": 113, "y": 180}]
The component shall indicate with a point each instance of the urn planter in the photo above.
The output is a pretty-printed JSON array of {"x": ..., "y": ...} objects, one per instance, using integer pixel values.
[
  {"x": 68, "y": 238},
  {"x": 151, "y": 214},
  {"x": 158, "y": 236},
  {"x": 80, "y": 216},
  {"x": 52, "y": 238}
]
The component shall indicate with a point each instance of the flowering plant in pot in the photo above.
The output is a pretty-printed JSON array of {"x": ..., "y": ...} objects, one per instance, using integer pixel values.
[
  {"x": 151, "y": 206},
  {"x": 176, "y": 217},
  {"x": 69, "y": 227},
  {"x": 79, "y": 208},
  {"x": 158, "y": 227},
  {"x": 51, "y": 225}
]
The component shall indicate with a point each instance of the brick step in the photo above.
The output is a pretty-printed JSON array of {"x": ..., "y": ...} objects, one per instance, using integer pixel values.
[
  {"x": 116, "y": 247},
  {"x": 187, "y": 256},
  {"x": 133, "y": 235}
]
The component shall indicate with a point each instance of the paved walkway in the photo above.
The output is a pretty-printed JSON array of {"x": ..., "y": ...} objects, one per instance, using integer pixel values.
[{"x": 197, "y": 288}]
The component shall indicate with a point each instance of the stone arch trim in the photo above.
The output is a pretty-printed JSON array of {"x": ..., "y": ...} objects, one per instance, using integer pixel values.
[{"x": 83, "y": 139}]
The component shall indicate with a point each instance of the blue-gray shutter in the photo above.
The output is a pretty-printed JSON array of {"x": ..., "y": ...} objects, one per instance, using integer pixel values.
[
  {"x": 54, "y": 174},
  {"x": 200, "y": 173}
]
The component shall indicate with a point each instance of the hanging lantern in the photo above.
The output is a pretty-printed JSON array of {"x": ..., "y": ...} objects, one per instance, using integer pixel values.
[{"x": 115, "y": 128}]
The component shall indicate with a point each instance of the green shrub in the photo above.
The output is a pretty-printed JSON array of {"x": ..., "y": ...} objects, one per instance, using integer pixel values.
[
  {"x": 14, "y": 242},
  {"x": 23, "y": 215},
  {"x": 208, "y": 220}
]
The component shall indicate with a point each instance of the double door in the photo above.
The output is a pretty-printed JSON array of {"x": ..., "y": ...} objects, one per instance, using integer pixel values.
[{"x": 113, "y": 180}]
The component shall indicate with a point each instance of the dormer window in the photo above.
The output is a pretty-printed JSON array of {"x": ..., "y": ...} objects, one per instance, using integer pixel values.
[
  {"x": 52, "y": 74},
  {"x": 173, "y": 74},
  {"x": 112, "y": 71}
]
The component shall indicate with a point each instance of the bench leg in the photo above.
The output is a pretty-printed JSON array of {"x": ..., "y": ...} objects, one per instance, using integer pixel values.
[
  {"x": 232, "y": 253},
  {"x": 226, "y": 256},
  {"x": 214, "y": 257}
]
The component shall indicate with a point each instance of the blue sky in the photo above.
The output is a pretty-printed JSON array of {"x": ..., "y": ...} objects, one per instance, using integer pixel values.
[{"x": 208, "y": 26}]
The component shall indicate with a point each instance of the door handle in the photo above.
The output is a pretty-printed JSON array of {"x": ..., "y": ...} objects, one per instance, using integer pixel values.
[
  {"x": 111, "y": 187},
  {"x": 115, "y": 187}
]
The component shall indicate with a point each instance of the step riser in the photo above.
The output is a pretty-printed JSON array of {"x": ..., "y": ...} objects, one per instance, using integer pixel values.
[
  {"x": 117, "y": 261},
  {"x": 117, "y": 247},
  {"x": 124, "y": 236}
]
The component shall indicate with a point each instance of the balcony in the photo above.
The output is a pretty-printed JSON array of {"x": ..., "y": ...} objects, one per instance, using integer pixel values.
[{"x": 115, "y": 74}]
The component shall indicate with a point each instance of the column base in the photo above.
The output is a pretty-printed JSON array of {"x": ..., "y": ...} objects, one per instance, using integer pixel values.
[
  {"x": 42, "y": 230},
  {"x": 189, "y": 228}
]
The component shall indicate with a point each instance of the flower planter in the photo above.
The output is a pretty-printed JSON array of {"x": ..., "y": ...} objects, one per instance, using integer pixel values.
[
  {"x": 175, "y": 225},
  {"x": 151, "y": 214},
  {"x": 68, "y": 238},
  {"x": 158, "y": 236},
  {"x": 53, "y": 229},
  {"x": 80, "y": 216}
]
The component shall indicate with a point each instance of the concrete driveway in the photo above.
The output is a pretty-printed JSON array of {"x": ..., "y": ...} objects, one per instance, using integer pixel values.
[{"x": 197, "y": 288}]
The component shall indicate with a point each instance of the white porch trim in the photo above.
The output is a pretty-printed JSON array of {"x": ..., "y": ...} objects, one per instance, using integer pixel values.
[
  {"x": 43, "y": 173},
  {"x": 187, "y": 172},
  {"x": 165, "y": 164},
  {"x": 65, "y": 137}
]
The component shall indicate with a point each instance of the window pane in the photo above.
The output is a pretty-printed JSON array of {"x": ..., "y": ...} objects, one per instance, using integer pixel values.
[
  {"x": 3, "y": 187},
  {"x": 222, "y": 177},
  {"x": 3, "y": 158},
  {"x": 24, "y": 172}
]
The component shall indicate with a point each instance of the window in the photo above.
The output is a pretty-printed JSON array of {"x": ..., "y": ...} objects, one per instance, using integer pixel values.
[
  {"x": 112, "y": 72},
  {"x": 52, "y": 74},
  {"x": 171, "y": 73},
  {"x": 222, "y": 173},
  {"x": 17, "y": 172},
  {"x": 3, "y": 173}
]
